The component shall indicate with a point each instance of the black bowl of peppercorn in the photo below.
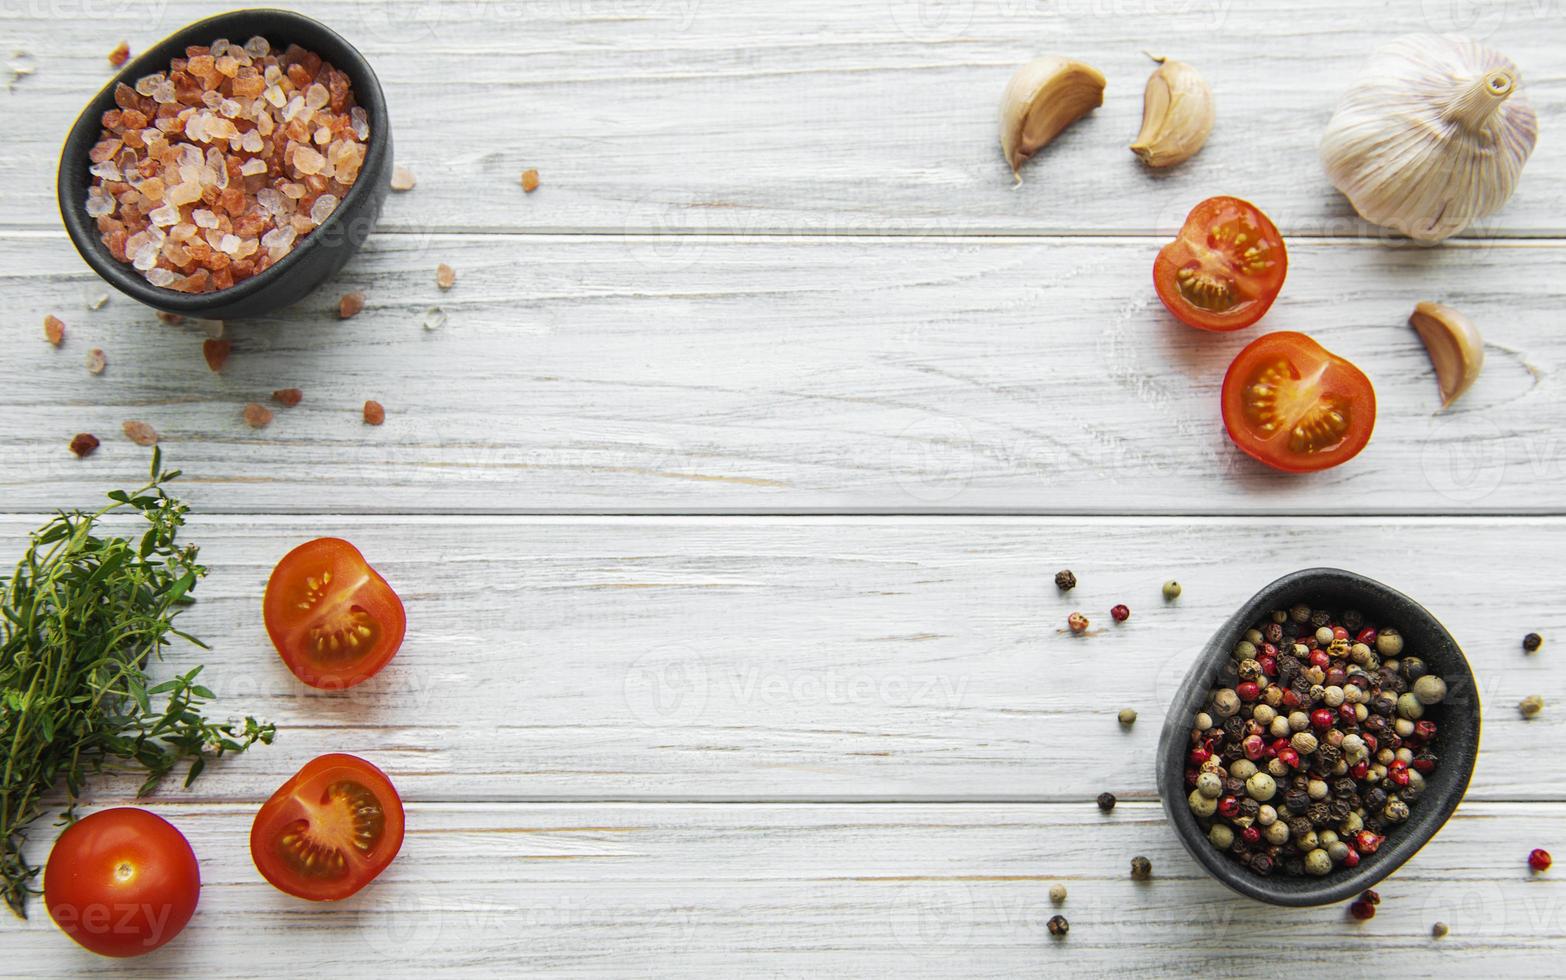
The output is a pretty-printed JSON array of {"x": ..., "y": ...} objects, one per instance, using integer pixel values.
[
  {"x": 1324, "y": 735},
  {"x": 303, "y": 260}
]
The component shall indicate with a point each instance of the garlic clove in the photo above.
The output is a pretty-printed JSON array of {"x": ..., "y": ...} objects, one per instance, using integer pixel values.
[
  {"x": 1177, "y": 115},
  {"x": 1432, "y": 137},
  {"x": 1042, "y": 99},
  {"x": 1455, "y": 347}
]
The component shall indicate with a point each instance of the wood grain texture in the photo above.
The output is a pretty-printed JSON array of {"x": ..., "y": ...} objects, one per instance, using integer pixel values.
[
  {"x": 613, "y": 890},
  {"x": 599, "y": 374},
  {"x": 808, "y": 659},
  {"x": 816, "y": 117}
]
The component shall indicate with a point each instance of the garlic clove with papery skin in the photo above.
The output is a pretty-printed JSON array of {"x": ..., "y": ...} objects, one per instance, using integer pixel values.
[
  {"x": 1177, "y": 115},
  {"x": 1432, "y": 137},
  {"x": 1043, "y": 98},
  {"x": 1455, "y": 347}
]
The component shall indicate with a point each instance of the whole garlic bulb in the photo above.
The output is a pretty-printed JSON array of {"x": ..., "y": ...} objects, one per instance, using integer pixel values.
[{"x": 1432, "y": 137}]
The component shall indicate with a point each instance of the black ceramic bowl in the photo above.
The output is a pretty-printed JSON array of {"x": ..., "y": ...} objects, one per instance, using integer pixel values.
[
  {"x": 1456, "y": 742},
  {"x": 317, "y": 256}
]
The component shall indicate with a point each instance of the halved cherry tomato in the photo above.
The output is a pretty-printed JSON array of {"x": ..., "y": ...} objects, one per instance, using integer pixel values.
[
  {"x": 122, "y": 882},
  {"x": 1225, "y": 268},
  {"x": 1296, "y": 406},
  {"x": 329, "y": 830},
  {"x": 334, "y": 620}
]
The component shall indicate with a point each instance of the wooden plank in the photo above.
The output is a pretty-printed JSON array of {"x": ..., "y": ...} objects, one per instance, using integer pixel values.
[
  {"x": 816, "y": 117},
  {"x": 599, "y": 374},
  {"x": 903, "y": 890},
  {"x": 807, "y": 659}
]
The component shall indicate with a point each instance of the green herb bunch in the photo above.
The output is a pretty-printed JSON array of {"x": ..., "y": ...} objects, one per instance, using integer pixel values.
[{"x": 83, "y": 614}]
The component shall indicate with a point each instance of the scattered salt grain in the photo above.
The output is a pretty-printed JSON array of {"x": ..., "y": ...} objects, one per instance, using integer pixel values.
[
  {"x": 140, "y": 432},
  {"x": 216, "y": 352},
  {"x": 54, "y": 329},
  {"x": 350, "y": 305},
  {"x": 434, "y": 318},
  {"x": 288, "y": 396},
  {"x": 374, "y": 412},
  {"x": 445, "y": 276},
  {"x": 257, "y": 416},
  {"x": 84, "y": 444},
  {"x": 96, "y": 361},
  {"x": 323, "y": 208},
  {"x": 402, "y": 179},
  {"x": 120, "y": 54},
  {"x": 530, "y": 180}
]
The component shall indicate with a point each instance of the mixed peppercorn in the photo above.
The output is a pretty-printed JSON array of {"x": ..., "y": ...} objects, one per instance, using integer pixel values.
[{"x": 1316, "y": 747}]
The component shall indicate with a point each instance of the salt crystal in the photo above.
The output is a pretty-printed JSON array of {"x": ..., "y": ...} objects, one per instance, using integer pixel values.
[
  {"x": 360, "y": 121},
  {"x": 164, "y": 216},
  {"x": 251, "y": 143},
  {"x": 275, "y": 96},
  {"x": 184, "y": 193},
  {"x": 258, "y": 47},
  {"x": 229, "y": 244},
  {"x": 99, "y": 204},
  {"x": 136, "y": 242},
  {"x": 323, "y": 135},
  {"x": 247, "y": 247},
  {"x": 218, "y": 48},
  {"x": 220, "y": 176},
  {"x": 96, "y": 360},
  {"x": 316, "y": 96},
  {"x": 214, "y": 238},
  {"x": 182, "y": 232},
  {"x": 196, "y": 126},
  {"x": 164, "y": 94},
  {"x": 211, "y": 98},
  {"x": 445, "y": 276},
  {"x": 402, "y": 179},
  {"x": 107, "y": 170},
  {"x": 294, "y": 190},
  {"x": 204, "y": 218},
  {"x": 308, "y": 161},
  {"x": 227, "y": 66},
  {"x": 94, "y": 297},
  {"x": 229, "y": 108},
  {"x": 147, "y": 84},
  {"x": 272, "y": 74},
  {"x": 323, "y": 208},
  {"x": 189, "y": 156},
  {"x": 434, "y": 318},
  {"x": 295, "y": 106},
  {"x": 265, "y": 124},
  {"x": 146, "y": 257},
  {"x": 254, "y": 165},
  {"x": 160, "y": 276}
]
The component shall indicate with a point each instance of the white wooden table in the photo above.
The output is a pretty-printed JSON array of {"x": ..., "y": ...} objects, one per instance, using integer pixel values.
[{"x": 725, "y": 506}]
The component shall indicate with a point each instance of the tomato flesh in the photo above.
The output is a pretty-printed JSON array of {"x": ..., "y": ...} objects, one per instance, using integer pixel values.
[
  {"x": 328, "y": 831},
  {"x": 122, "y": 882},
  {"x": 333, "y": 619},
  {"x": 1294, "y": 405},
  {"x": 1224, "y": 269}
]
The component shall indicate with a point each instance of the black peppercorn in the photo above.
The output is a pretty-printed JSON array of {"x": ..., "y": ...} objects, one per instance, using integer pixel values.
[
  {"x": 1375, "y": 798},
  {"x": 1319, "y": 814},
  {"x": 1384, "y": 705},
  {"x": 1327, "y": 756},
  {"x": 1249, "y": 808},
  {"x": 1532, "y": 642},
  {"x": 1261, "y": 864},
  {"x": 1299, "y": 827},
  {"x": 1299, "y": 613},
  {"x": 1058, "y": 926},
  {"x": 1343, "y": 786},
  {"x": 1412, "y": 668},
  {"x": 1273, "y": 634},
  {"x": 1294, "y": 866},
  {"x": 1106, "y": 801},
  {"x": 1065, "y": 582},
  {"x": 1234, "y": 787},
  {"x": 1353, "y": 620},
  {"x": 1338, "y": 810},
  {"x": 1141, "y": 868},
  {"x": 1234, "y": 728},
  {"x": 1320, "y": 618}
]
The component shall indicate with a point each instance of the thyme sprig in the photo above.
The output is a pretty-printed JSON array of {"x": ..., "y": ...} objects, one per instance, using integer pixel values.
[{"x": 82, "y": 615}]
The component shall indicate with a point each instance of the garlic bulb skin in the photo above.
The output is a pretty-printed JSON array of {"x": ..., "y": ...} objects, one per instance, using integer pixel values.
[{"x": 1432, "y": 136}]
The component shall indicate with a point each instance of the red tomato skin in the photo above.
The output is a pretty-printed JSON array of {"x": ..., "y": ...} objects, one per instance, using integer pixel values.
[
  {"x": 383, "y": 599},
  {"x": 122, "y": 882},
  {"x": 1239, "y": 435},
  {"x": 1165, "y": 268},
  {"x": 263, "y": 829}
]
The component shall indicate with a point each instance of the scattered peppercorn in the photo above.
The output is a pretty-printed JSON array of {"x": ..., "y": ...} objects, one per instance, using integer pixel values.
[
  {"x": 1362, "y": 910},
  {"x": 84, "y": 444},
  {"x": 288, "y": 397},
  {"x": 1120, "y": 613},
  {"x": 1171, "y": 590},
  {"x": 1077, "y": 622},
  {"x": 1539, "y": 859},
  {"x": 1439, "y": 930},
  {"x": 1064, "y": 580},
  {"x": 96, "y": 361},
  {"x": 1128, "y": 716},
  {"x": 1532, "y": 642},
  {"x": 1141, "y": 868},
  {"x": 1058, "y": 926},
  {"x": 1057, "y": 893},
  {"x": 1531, "y": 705},
  {"x": 1106, "y": 801}
]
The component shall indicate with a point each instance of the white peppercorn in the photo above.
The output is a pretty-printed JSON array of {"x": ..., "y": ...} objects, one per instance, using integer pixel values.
[
  {"x": 1337, "y": 851},
  {"x": 1204, "y": 721},
  {"x": 1324, "y": 635},
  {"x": 1389, "y": 642},
  {"x": 1261, "y": 787},
  {"x": 1263, "y": 714},
  {"x": 1210, "y": 785},
  {"x": 1242, "y": 769},
  {"x": 1317, "y": 789},
  {"x": 1304, "y": 743},
  {"x": 1429, "y": 689},
  {"x": 1221, "y": 835},
  {"x": 1332, "y": 696},
  {"x": 1057, "y": 893},
  {"x": 1276, "y": 833},
  {"x": 1298, "y": 721},
  {"x": 1226, "y": 702},
  {"x": 1202, "y": 806},
  {"x": 1409, "y": 705},
  {"x": 1266, "y": 815},
  {"x": 1404, "y": 727},
  {"x": 1307, "y": 841},
  {"x": 1279, "y": 727},
  {"x": 1244, "y": 650},
  {"x": 1531, "y": 705}
]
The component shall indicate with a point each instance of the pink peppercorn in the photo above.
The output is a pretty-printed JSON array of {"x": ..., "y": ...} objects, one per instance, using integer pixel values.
[
  {"x": 1368, "y": 842},
  {"x": 1539, "y": 859},
  {"x": 1321, "y": 719},
  {"x": 1121, "y": 613},
  {"x": 1362, "y": 910},
  {"x": 1248, "y": 690},
  {"x": 1351, "y": 859}
]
